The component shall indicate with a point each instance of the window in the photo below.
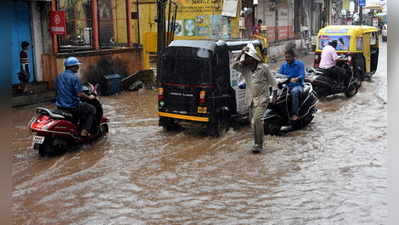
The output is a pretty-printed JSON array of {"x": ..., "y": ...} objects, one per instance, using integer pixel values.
[
  {"x": 111, "y": 20},
  {"x": 359, "y": 43},
  {"x": 182, "y": 65},
  {"x": 78, "y": 25},
  {"x": 342, "y": 42},
  {"x": 373, "y": 39},
  {"x": 112, "y": 23}
]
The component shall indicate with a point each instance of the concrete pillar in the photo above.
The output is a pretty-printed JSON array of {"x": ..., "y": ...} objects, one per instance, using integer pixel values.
[{"x": 37, "y": 41}]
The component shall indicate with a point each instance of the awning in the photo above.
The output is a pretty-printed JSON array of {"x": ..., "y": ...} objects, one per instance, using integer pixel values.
[{"x": 376, "y": 7}]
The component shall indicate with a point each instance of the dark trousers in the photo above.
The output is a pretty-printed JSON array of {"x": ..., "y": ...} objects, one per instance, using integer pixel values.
[
  {"x": 85, "y": 112},
  {"x": 338, "y": 73},
  {"x": 295, "y": 94}
]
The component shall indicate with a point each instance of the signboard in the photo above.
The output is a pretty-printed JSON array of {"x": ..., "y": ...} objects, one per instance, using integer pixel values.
[
  {"x": 345, "y": 4},
  {"x": 230, "y": 8},
  {"x": 57, "y": 22},
  {"x": 199, "y": 19},
  {"x": 362, "y": 3}
]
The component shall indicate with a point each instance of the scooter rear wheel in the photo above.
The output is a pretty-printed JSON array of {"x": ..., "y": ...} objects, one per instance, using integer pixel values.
[{"x": 45, "y": 148}]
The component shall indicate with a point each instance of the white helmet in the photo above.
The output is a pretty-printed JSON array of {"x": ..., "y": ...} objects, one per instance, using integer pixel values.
[{"x": 253, "y": 53}]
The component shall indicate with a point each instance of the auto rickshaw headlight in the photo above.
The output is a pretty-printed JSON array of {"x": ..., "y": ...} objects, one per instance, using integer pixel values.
[{"x": 202, "y": 109}]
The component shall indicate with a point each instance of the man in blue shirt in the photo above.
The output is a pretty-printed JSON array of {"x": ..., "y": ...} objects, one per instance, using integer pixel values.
[
  {"x": 69, "y": 92},
  {"x": 295, "y": 70}
]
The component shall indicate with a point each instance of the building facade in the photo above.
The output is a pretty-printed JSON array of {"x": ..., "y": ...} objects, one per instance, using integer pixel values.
[{"x": 102, "y": 33}]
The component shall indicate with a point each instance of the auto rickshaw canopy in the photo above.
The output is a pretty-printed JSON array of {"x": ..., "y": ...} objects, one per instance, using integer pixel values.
[{"x": 350, "y": 37}]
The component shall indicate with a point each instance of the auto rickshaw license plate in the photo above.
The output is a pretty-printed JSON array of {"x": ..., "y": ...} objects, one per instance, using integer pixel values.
[
  {"x": 202, "y": 109},
  {"x": 38, "y": 140}
]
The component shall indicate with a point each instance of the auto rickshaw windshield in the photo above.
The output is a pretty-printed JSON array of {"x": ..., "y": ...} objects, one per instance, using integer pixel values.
[
  {"x": 183, "y": 65},
  {"x": 342, "y": 40}
]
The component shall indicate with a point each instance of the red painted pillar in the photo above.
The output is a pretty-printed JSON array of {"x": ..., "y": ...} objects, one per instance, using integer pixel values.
[
  {"x": 128, "y": 22},
  {"x": 95, "y": 24},
  {"x": 54, "y": 36}
]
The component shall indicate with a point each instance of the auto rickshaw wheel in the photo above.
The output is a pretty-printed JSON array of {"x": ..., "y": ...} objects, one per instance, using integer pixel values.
[
  {"x": 218, "y": 128},
  {"x": 170, "y": 125}
]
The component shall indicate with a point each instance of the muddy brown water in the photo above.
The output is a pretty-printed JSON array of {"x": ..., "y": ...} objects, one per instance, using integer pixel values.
[{"x": 332, "y": 172}]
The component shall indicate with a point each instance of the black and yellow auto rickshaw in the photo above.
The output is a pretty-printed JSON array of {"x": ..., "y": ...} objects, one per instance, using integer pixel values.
[
  {"x": 359, "y": 43},
  {"x": 198, "y": 86}
]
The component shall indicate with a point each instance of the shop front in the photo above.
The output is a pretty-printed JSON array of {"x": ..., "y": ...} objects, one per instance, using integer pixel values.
[{"x": 99, "y": 32}]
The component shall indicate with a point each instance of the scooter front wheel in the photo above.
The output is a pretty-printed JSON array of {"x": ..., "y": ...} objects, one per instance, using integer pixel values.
[
  {"x": 351, "y": 90},
  {"x": 271, "y": 128}
]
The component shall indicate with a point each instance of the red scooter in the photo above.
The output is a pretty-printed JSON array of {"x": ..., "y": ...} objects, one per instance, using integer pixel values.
[{"x": 55, "y": 131}]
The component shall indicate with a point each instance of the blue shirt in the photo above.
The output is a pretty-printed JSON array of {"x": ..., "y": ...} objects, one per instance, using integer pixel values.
[
  {"x": 68, "y": 86},
  {"x": 295, "y": 69}
]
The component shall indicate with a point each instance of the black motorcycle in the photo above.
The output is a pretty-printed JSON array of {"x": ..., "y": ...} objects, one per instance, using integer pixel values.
[
  {"x": 325, "y": 84},
  {"x": 279, "y": 111}
]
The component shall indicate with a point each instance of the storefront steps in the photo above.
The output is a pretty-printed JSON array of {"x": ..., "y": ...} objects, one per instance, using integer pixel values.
[
  {"x": 32, "y": 99},
  {"x": 37, "y": 93}
]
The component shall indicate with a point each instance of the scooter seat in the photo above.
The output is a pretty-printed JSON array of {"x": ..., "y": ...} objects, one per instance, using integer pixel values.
[
  {"x": 320, "y": 71},
  {"x": 66, "y": 115},
  {"x": 55, "y": 114}
]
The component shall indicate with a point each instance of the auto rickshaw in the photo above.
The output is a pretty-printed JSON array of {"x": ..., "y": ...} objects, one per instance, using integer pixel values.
[
  {"x": 199, "y": 87},
  {"x": 359, "y": 43}
]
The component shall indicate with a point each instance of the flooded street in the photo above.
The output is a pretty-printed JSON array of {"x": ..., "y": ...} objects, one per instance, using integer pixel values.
[{"x": 332, "y": 172}]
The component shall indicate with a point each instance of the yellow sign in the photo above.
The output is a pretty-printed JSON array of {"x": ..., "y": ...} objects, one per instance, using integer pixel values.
[
  {"x": 198, "y": 19},
  {"x": 345, "y": 4}
]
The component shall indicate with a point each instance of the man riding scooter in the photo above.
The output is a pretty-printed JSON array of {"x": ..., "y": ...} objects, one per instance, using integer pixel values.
[
  {"x": 69, "y": 92},
  {"x": 295, "y": 70},
  {"x": 328, "y": 61}
]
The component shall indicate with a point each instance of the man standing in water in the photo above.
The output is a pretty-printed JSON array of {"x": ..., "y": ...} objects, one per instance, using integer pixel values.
[{"x": 258, "y": 78}]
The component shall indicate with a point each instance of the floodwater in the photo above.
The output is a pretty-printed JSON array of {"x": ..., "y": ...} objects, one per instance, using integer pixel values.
[{"x": 332, "y": 172}]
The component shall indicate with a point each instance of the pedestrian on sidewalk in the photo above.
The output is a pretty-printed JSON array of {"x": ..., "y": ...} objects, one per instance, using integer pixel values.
[
  {"x": 24, "y": 74},
  {"x": 257, "y": 28},
  {"x": 259, "y": 79},
  {"x": 323, "y": 17}
]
